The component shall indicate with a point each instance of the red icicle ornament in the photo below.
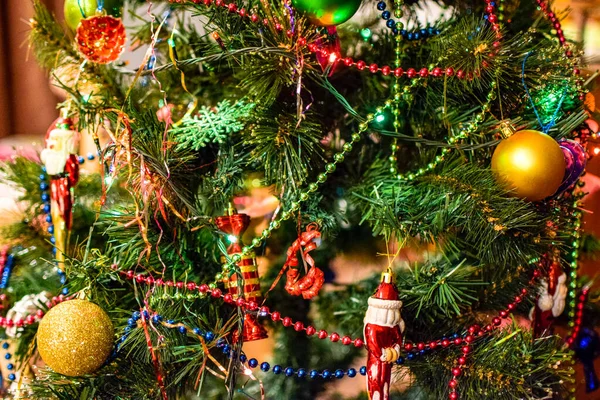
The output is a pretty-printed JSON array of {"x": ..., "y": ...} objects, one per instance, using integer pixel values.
[
  {"x": 383, "y": 336},
  {"x": 101, "y": 38},
  {"x": 234, "y": 225},
  {"x": 60, "y": 160},
  {"x": 551, "y": 299}
]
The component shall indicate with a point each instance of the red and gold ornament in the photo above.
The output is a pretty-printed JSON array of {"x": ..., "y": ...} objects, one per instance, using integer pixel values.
[
  {"x": 383, "y": 336},
  {"x": 101, "y": 38},
  {"x": 234, "y": 225},
  {"x": 60, "y": 160}
]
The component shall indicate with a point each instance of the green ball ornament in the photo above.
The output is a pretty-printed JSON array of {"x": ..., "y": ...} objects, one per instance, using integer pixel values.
[
  {"x": 327, "y": 12},
  {"x": 76, "y": 10}
]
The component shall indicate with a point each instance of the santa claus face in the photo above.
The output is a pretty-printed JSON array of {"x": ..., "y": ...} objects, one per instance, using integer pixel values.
[
  {"x": 60, "y": 144},
  {"x": 63, "y": 140}
]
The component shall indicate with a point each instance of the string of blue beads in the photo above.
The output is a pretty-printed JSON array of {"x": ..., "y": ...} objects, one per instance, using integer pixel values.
[
  {"x": 47, "y": 208},
  {"x": 253, "y": 362},
  {"x": 10, "y": 366},
  {"x": 8, "y": 266},
  {"x": 289, "y": 371},
  {"x": 417, "y": 34}
]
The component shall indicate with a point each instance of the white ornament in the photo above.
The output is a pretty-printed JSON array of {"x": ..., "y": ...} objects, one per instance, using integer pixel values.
[
  {"x": 28, "y": 305},
  {"x": 60, "y": 144}
]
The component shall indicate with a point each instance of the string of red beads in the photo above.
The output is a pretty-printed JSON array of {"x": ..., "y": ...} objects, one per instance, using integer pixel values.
[
  {"x": 493, "y": 18},
  {"x": 411, "y": 73},
  {"x": 3, "y": 258},
  {"x": 578, "y": 317},
  {"x": 32, "y": 318},
  {"x": 476, "y": 331},
  {"x": 264, "y": 311}
]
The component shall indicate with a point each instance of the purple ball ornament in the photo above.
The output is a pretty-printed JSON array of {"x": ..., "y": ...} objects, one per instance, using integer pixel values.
[{"x": 575, "y": 161}]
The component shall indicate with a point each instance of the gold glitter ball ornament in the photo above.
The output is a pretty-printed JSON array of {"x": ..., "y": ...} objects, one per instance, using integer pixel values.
[{"x": 75, "y": 337}]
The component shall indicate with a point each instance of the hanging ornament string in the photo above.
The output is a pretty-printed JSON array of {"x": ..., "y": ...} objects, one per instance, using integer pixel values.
[
  {"x": 545, "y": 127},
  {"x": 81, "y": 9}
]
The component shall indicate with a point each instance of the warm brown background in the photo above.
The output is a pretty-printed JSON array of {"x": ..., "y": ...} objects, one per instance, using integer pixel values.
[{"x": 28, "y": 106}]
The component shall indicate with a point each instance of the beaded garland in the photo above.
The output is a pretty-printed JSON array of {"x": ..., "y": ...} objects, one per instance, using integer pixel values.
[
  {"x": 10, "y": 366},
  {"x": 411, "y": 73},
  {"x": 396, "y": 27},
  {"x": 6, "y": 264},
  {"x": 253, "y": 362},
  {"x": 287, "y": 322}
]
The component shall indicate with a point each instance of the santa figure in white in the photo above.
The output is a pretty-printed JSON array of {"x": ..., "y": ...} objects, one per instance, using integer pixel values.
[
  {"x": 551, "y": 300},
  {"x": 60, "y": 159},
  {"x": 383, "y": 336}
]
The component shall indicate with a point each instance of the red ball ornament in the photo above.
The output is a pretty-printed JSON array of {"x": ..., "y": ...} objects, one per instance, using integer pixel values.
[{"x": 101, "y": 38}]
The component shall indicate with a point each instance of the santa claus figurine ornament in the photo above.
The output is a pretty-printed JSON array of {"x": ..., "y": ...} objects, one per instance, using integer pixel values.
[
  {"x": 383, "y": 336},
  {"x": 551, "y": 300},
  {"x": 59, "y": 158}
]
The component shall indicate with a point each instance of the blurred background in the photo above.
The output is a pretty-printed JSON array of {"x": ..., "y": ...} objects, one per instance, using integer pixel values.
[{"x": 28, "y": 106}]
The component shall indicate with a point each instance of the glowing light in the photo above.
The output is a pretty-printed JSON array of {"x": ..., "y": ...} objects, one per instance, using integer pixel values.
[
  {"x": 256, "y": 182},
  {"x": 232, "y": 239},
  {"x": 366, "y": 33},
  {"x": 379, "y": 118},
  {"x": 332, "y": 58},
  {"x": 596, "y": 151}
]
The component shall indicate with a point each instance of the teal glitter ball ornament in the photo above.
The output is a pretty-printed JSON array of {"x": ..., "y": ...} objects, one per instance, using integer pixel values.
[{"x": 327, "y": 12}]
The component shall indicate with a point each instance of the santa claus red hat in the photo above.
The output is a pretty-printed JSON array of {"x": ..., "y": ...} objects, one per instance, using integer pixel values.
[
  {"x": 384, "y": 306},
  {"x": 63, "y": 122}
]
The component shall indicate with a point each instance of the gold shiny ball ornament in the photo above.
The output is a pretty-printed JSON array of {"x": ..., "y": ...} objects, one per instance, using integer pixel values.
[
  {"x": 530, "y": 163},
  {"x": 75, "y": 337}
]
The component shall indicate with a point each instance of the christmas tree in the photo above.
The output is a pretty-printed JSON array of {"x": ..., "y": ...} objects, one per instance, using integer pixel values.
[{"x": 260, "y": 143}]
